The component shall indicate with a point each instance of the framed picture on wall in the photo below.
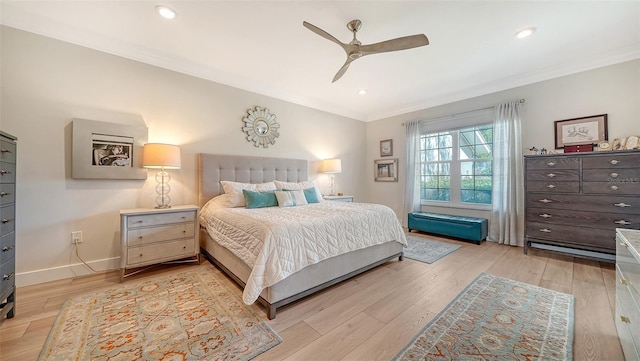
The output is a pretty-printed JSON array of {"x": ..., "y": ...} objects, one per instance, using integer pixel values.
[
  {"x": 585, "y": 130},
  {"x": 386, "y": 148},
  {"x": 386, "y": 170}
]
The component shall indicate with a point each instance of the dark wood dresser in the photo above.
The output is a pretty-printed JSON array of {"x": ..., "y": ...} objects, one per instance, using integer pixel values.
[
  {"x": 574, "y": 202},
  {"x": 7, "y": 225}
]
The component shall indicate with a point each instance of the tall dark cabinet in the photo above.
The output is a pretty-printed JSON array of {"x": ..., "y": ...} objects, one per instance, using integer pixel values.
[
  {"x": 7, "y": 224},
  {"x": 575, "y": 201}
]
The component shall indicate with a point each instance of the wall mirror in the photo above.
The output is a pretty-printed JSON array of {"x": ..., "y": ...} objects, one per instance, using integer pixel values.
[{"x": 261, "y": 127}]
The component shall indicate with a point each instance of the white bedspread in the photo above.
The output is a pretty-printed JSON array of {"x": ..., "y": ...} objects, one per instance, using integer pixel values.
[{"x": 276, "y": 242}]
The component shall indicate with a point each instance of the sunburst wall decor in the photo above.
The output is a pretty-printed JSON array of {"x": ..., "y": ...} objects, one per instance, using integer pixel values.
[{"x": 261, "y": 127}]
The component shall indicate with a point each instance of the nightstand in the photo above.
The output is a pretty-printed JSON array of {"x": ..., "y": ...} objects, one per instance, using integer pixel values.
[
  {"x": 150, "y": 236},
  {"x": 338, "y": 198}
]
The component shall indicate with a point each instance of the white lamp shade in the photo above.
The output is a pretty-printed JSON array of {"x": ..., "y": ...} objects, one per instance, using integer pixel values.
[
  {"x": 332, "y": 166},
  {"x": 158, "y": 155}
]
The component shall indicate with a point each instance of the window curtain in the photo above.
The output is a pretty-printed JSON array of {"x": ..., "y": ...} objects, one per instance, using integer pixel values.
[
  {"x": 412, "y": 186},
  {"x": 507, "y": 212}
]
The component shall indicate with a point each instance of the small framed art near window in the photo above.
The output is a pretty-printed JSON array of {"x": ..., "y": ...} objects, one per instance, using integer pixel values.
[
  {"x": 386, "y": 170},
  {"x": 386, "y": 148},
  {"x": 585, "y": 130}
]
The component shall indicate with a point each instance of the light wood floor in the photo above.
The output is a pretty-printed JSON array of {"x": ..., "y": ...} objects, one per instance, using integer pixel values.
[{"x": 372, "y": 316}]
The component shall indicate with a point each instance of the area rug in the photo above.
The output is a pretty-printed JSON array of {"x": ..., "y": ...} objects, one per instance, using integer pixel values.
[
  {"x": 189, "y": 315},
  {"x": 427, "y": 250},
  {"x": 496, "y": 318}
]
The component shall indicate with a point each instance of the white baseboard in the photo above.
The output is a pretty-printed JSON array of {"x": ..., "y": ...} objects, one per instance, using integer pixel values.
[{"x": 68, "y": 271}]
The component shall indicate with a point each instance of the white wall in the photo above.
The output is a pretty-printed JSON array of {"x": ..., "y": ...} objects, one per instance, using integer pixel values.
[
  {"x": 614, "y": 90},
  {"x": 46, "y": 83}
]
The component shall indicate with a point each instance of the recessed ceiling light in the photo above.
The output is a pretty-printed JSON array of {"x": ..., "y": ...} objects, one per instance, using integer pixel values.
[
  {"x": 362, "y": 91},
  {"x": 166, "y": 12},
  {"x": 524, "y": 33}
]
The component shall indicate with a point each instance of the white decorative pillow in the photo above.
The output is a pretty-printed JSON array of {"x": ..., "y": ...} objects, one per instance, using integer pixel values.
[
  {"x": 291, "y": 198},
  {"x": 299, "y": 186},
  {"x": 234, "y": 190}
]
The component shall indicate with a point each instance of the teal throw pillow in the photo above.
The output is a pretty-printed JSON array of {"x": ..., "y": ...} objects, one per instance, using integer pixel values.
[{"x": 260, "y": 199}]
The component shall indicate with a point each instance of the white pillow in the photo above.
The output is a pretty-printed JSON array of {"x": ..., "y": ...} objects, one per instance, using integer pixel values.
[
  {"x": 299, "y": 186},
  {"x": 291, "y": 198},
  {"x": 234, "y": 190}
]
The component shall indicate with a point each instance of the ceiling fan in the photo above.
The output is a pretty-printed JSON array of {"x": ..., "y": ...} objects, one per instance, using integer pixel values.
[{"x": 356, "y": 50}]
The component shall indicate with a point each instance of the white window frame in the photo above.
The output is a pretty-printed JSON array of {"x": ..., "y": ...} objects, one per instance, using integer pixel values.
[{"x": 455, "y": 123}]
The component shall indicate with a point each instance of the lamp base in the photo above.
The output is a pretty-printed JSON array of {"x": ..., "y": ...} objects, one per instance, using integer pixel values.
[
  {"x": 164, "y": 206},
  {"x": 162, "y": 189}
]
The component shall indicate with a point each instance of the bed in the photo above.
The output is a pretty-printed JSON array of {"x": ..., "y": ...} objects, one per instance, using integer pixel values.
[{"x": 330, "y": 241}]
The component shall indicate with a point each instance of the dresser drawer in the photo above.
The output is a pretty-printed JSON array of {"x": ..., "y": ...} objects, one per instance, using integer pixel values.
[
  {"x": 612, "y": 161},
  {"x": 147, "y": 220},
  {"x": 585, "y": 238},
  {"x": 7, "y": 247},
  {"x": 614, "y": 176},
  {"x": 625, "y": 330},
  {"x": 159, "y": 252},
  {"x": 553, "y": 186},
  {"x": 7, "y": 219},
  {"x": 7, "y": 193},
  {"x": 7, "y": 151},
  {"x": 609, "y": 221},
  {"x": 141, "y": 236},
  {"x": 613, "y": 188},
  {"x": 628, "y": 270},
  {"x": 597, "y": 203},
  {"x": 553, "y": 163},
  {"x": 7, "y": 272},
  {"x": 7, "y": 172},
  {"x": 554, "y": 175}
]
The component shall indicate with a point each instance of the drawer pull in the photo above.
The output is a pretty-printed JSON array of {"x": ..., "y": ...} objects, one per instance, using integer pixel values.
[
  {"x": 622, "y": 205},
  {"x": 544, "y": 215},
  {"x": 623, "y": 222},
  {"x": 7, "y": 277},
  {"x": 138, "y": 221},
  {"x": 551, "y": 175},
  {"x": 139, "y": 237},
  {"x": 614, "y": 175},
  {"x": 2, "y": 194},
  {"x": 551, "y": 186},
  {"x": 5, "y": 151},
  {"x": 545, "y": 230},
  {"x": 624, "y": 282},
  {"x": 6, "y": 220},
  {"x": 545, "y": 200},
  {"x": 625, "y": 319},
  {"x": 614, "y": 161},
  {"x": 3, "y": 172},
  {"x": 7, "y": 248},
  {"x": 140, "y": 255},
  {"x": 551, "y": 164},
  {"x": 614, "y": 188}
]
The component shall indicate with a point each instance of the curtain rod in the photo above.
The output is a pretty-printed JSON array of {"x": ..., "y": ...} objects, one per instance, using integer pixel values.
[{"x": 470, "y": 111}]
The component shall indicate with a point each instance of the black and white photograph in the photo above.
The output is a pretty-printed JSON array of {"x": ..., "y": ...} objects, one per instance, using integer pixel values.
[{"x": 112, "y": 150}]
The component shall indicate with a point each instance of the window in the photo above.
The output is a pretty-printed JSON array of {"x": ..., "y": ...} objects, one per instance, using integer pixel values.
[{"x": 456, "y": 165}]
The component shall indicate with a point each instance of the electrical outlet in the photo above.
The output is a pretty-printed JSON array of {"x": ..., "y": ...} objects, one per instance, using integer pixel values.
[{"x": 76, "y": 237}]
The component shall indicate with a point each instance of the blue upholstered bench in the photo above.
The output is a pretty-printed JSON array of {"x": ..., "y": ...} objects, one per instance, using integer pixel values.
[{"x": 469, "y": 228}]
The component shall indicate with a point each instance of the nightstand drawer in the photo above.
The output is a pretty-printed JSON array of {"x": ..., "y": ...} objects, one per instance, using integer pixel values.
[
  {"x": 159, "y": 252},
  {"x": 153, "y": 219},
  {"x": 7, "y": 172},
  {"x": 141, "y": 236}
]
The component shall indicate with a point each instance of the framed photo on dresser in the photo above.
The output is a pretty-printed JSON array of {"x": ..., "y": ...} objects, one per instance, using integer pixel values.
[{"x": 585, "y": 130}]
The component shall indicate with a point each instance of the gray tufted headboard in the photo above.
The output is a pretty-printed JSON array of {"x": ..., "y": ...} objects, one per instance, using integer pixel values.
[{"x": 213, "y": 168}]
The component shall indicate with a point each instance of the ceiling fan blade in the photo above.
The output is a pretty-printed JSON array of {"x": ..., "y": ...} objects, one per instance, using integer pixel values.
[
  {"x": 323, "y": 33},
  {"x": 342, "y": 70},
  {"x": 405, "y": 42}
]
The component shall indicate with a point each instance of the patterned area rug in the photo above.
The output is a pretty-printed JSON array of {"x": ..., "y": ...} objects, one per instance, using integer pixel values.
[
  {"x": 186, "y": 316},
  {"x": 496, "y": 318},
  {"x": 427, "y": 250}
]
